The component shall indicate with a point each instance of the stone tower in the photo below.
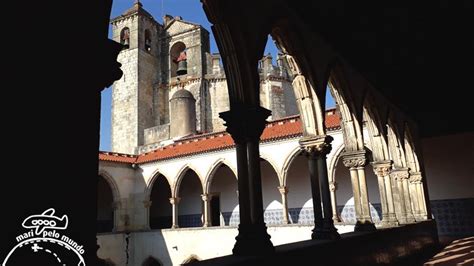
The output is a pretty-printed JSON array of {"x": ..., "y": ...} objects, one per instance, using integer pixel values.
[{"x": 132, "y": 96}]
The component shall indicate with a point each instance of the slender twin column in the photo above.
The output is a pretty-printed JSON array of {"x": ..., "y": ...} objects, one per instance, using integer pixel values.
[
  {"x": 147, "y": 205},
  {"x": 416, "y": 185},
  {"x": 382, "y": 170},
  {"x": 316, "y": 148},
  {"x": 403, "y": 202},
  {"x": 355, "y": 161},
  {"x": 174, "y": 206},
  {"x": 245, "y": 125},
  {"x": 332, "y": 189},
  {"x": 206, "y": 198},
  {"x": 284, "y": 193}
]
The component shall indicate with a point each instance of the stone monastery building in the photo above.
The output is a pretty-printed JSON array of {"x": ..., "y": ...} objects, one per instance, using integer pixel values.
[{"x": 168, "y": 192}]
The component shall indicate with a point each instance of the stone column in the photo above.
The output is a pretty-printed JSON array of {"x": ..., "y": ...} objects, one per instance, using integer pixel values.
[
  {"x": 206, "y": 198},
  {"x": 284, "y": 193},
  {"x": 402, "y": 201},
  {"x": 333, "y": 188},
  {"x": 412, "y": 183},
  {"x": 364, "y": 195},
  {"x": 316, "y": 148},
  {"x": 116, "y": 207},
  {"x": 147, "y": 205},
  {"x": 416, "y": 180},
  {"x": 355, "y": 161},
  {"x": 407, "y": 197},
  {"x": 381, "y": 170},
  {"x": 245, "y": 125},
  {"x": 174, "y": 216}
]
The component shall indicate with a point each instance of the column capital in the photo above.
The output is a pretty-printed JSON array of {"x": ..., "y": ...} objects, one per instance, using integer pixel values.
[
  {"x": 415, "y": 177},
  {"x": 333, "y": 186},
  {"x": 245, "y": 123},
  {"x": 354, "y": 159},
  {"x": 316, "y": 145},
  {"x": 400, "y": 173},
  {"x": 147, "y": 203},
  {"x": 174, "y": 200},
  {"x": 116, "y": 205},
  {"x": 382, "y": 168},
  {"x": 206, "y": 197},
  {"x": 283, "y": 190}
]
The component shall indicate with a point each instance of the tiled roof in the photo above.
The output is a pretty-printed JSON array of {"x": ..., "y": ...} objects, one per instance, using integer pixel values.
[
  {"x": 117, "y": 157},
  {"x": 279, "y": 129}
]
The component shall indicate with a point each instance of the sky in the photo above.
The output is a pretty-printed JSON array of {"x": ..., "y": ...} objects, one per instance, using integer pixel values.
[{"x": 189, "y": 10}]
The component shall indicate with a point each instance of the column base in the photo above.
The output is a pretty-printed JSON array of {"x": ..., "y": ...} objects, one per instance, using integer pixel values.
[
  {"x": 325, "y": 234},
  {"x": 411, "y": 219},
  {"x": 253, "y": 240},
  {"x": 364, "y": 227}
]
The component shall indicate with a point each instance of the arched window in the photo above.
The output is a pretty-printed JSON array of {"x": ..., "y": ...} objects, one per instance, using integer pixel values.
[
  {"x": 178, "y": 59},
  {"x": 125, "y": 38},
  {"x": 147, "y": 40}
]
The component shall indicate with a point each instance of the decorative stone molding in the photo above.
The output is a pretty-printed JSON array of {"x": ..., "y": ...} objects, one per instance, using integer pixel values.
[
  {"x": 354, "y": 159},
  {"x": 174, "y": 201},
  {"x": 283, "y": 190},
  {"x": 317, "y": 145},
  {"x": 250, "y": 128},
  {"x": 332, "y": 186},
  {"x": 415, "y": 177},
  {"x": 206, "y": 197},
  {"x": 400, "y": 173},
  {"x": 382, "y": 168},
  {"x": 147, "y": 203}
]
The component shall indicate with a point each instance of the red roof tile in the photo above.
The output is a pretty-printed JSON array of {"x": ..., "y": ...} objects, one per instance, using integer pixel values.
[
  {"x": 117, "y": 157},
  {"x": 278, "y": 129}
]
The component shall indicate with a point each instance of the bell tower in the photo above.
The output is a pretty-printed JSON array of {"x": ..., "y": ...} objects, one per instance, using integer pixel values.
[{"x": 133, "y": 95}]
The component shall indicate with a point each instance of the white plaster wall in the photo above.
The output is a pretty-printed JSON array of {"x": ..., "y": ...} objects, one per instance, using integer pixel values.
[
  {"x": 190, "y": 192},
  {"x": 448, "y": 174},
  {"x": 172, "y": 247},
  {"x": 224, "y": 183},
  {"x": 298, "y": 183},
  {"x": 270, "y": 183}
]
